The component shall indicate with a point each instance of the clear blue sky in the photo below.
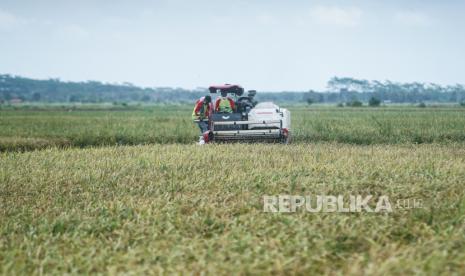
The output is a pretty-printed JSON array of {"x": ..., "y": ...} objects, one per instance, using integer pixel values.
[{"x": 262, "y": 44}]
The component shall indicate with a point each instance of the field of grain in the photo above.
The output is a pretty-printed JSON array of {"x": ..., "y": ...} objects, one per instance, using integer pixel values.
[
  {"x": 34, "y": 129},
  {"x": 128, "y": 191},
  {"x": 183, "y": 208}
]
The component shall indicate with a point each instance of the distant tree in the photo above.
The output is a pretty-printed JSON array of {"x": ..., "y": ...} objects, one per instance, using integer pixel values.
[
  {"x": 354, "y": 103},
  {"x": 145, "y": 98},
  {"x": 374, "y": 102},
  {"x": 340, "y": 105},
  {"x": 310, "y": 101},
  {"x": 74, "y": 98},
  {"x": 421, "y": 105},
  {"x": 36, "y": 97},
  {"x": 348, "y": 84},
  {"x": 7, "y": 96}
]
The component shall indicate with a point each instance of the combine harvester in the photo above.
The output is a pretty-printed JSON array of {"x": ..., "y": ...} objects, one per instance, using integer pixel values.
[{"x": 250, "y": 122}]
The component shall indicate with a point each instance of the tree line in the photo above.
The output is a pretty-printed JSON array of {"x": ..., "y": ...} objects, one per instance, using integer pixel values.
[{"x": 339, "y": 90}]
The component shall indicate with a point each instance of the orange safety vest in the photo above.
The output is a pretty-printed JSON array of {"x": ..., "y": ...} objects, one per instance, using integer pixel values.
[{"x": 201, "y": 110}]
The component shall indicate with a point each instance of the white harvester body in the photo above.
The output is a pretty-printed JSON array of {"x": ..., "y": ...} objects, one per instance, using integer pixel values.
[
  {"x": 268, "y": 111},
  {"x": 266, "y": 122}
]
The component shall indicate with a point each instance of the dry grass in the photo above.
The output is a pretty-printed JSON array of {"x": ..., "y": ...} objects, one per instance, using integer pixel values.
[{"x": 187, "y": 209}]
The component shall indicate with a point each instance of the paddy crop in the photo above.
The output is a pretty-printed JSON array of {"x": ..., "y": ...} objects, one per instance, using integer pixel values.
[
  {"x": 162, "y": 209},
  {"x": 36, "y": 129}
]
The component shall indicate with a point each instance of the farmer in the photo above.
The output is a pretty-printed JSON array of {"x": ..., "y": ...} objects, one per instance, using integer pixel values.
[
  {"x": 224, "y": 104},
  {"x": 202, "y": 110}
]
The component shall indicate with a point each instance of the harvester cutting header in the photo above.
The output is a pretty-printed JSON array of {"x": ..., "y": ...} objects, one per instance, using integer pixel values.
[{"x": 235, "y": 117}]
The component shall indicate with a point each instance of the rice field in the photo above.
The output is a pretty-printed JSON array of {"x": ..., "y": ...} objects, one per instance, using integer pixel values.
[
  {"x": 34, "y": 129},
  {"x": 128, "y": 192}
]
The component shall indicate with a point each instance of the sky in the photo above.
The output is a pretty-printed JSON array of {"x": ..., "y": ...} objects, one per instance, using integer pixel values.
[{"x": 267, "y": 45}]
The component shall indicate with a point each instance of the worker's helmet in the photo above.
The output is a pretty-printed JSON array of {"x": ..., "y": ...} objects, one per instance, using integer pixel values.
[
  {"x": 208, "y": 99},
  {"x": 251, "y": 93}
]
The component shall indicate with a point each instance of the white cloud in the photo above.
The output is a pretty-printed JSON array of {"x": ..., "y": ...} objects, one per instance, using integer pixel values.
[
  {"x": 9, "y": 21},
  {"x": 412, "y": 18},
  {"x": 336, "y": 16}
]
